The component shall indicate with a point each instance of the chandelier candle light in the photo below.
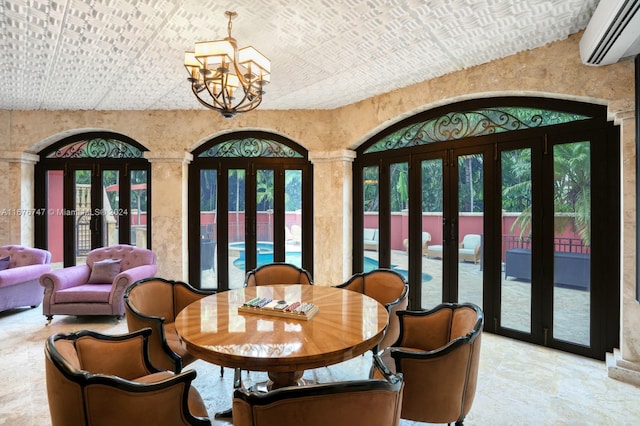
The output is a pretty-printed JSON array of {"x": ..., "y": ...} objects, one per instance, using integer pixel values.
[{"x": 224, "y": 78}]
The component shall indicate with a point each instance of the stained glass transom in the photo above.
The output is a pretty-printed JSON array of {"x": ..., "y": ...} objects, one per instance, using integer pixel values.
[
  {"x": 97, "y": 148},
  {"x": 484, "y": 121},
  {"x": 251, "y": 147}
]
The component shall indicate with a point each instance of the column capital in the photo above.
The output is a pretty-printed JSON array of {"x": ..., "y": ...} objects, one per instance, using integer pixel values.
[
  {"x": 19, "y": 157},
  {"x": 332, "y": 156},
  {"x": 169, "y": 157}
]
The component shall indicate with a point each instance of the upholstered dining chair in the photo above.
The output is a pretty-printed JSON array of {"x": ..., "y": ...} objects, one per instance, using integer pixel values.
[
  {"x": 390, "y": 289},
  {"x": 101, "y": 380},
  {"x": 437, "y": 353},
  {"x": 277, "y": 273},
  {"x": 155, "y": 303},
  {"x": 374, "y": 402}
]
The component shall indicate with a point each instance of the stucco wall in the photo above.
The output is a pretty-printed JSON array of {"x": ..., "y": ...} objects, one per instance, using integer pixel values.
[{"x": 554, "y": 70}]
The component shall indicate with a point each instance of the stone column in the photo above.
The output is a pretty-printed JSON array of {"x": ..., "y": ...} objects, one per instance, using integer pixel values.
[
  {"x": 333, "y": 210},
  {"x": 17, "y": 205},
  {"x": 624, "y": 364},
  {"x": 169, "y": 199}
]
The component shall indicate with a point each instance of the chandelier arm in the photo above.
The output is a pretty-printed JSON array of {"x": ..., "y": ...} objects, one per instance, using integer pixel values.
[{"x": 215, "y": 103}]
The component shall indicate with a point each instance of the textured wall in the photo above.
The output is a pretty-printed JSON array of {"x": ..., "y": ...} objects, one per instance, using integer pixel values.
[{"x": 554, "y": 70}]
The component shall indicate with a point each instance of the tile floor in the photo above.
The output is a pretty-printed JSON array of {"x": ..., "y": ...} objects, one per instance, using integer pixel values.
[{"x": 519, "y": 384}]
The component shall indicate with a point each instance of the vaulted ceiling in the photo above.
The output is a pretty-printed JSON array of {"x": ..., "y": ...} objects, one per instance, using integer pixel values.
[{"x": 128, "y": 54}]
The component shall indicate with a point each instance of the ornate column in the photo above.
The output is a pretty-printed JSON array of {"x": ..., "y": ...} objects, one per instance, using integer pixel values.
[
  {"x": 17, "y": 205},
  {"x": 624, "y": 364},
  {"x": 169, "y": 238},
  {"x": 333, "y": 210}
]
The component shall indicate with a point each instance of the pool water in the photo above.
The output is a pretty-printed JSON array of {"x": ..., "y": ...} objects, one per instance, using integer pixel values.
[{"x": 265, "y": 255}]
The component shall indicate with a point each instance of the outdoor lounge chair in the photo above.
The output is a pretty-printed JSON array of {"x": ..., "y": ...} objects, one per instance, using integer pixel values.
[{"x": 469, "y": 249}]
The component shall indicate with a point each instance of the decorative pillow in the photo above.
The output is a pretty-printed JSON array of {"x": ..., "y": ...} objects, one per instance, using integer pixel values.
[
  {"x": 4, "y": 263},
  {"x": 104, "y": 271}
]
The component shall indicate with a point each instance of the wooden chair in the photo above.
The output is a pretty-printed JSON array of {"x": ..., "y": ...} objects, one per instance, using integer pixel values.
[
  {"x": 374, "y": 402},
  {"x": 390, "y": 289},
  {"x": 438, "y": 354},
  {"x": 101, "y": 380},
  {"x": 277, "y": 273},
  {"x": 155, "y": 303}
]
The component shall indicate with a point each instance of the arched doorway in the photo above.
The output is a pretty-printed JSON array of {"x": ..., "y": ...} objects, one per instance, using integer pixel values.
[
  {"x": 94, "y": 188},
  {"x": 511, "y": 203},
  {"x": 250, "y": 203}
]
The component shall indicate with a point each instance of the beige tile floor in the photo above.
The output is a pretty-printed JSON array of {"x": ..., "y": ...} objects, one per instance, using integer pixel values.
[{"x": 519, "y": 384}]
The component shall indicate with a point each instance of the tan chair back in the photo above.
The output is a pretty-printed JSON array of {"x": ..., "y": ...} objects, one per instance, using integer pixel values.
[
  {"x": 105, "y": 380},
  {"x": 374, "y": 402},
  {"x": 438, "y": 354},
  {"x": 390, "y": 289},
  {"x": 155, "y": 303},
  {"x": 277, "y": 273}
]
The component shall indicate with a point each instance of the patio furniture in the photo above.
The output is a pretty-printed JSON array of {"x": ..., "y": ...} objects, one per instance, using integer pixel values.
[
  {"x": 571, "y": 270},
  {"x": 389, "y": 288},
  {"x": 370, "y": 240},
  {"x": 98, "y": 286},
  {"x": 277, "y": 273},
  {"x": 374, "y": 402},
  {"x": 468, "y": 249},
  {"x": 102, "y": 380},
  {"x": 20, "y": 271},
  {"x": 438, "y": 354},
  {"x": 154, "y": 303},
  {"x": 426, "y": 238}
]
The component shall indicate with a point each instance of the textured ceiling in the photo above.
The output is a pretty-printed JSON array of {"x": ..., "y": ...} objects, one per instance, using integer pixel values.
[{"x": 127, "y": 54}]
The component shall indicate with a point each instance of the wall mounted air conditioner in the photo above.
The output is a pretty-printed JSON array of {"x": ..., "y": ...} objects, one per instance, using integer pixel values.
[{"x": 613, "y": 33}]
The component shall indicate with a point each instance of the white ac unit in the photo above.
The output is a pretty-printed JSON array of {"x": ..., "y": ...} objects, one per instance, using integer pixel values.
[{"x": 613, "y": 33}]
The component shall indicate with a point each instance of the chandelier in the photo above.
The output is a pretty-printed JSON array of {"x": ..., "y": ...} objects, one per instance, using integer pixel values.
[{"x": 224, "y": 78}]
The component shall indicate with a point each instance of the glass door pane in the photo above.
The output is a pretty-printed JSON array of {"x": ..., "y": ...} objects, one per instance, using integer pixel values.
[
  {"x": 138, "y": 209},
  {"x": 110, "y": 212},
  {"x": 371, "y": 221},
  {"x": 572, "y": 242},
  {"x": 399, "y": 226},
  {"x": 55, "y": 217},
  {"x": 431, "y": 223},
  {"x": 515, "y": 292},
  {"x": 293, "y": 216},
  {"x": 82, "y": 218},
  {"x": 470, "y": 227},
  {"x": 264, "y": 217},
  {"x": 236, "y": 228},
  {"x": 208, "y": 228}
]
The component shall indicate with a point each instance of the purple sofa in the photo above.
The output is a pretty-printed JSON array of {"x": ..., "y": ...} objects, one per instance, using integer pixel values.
[
  {"x": 19, "y": 281},
  {"x": 96, "y": 288}
]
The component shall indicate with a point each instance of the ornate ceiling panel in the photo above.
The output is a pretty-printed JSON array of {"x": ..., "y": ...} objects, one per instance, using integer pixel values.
[{"x": 127, "y": 54}]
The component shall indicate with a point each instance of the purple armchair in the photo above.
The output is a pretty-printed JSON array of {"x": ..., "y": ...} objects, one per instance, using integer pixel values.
[
  {"x": 20, "y": 271},
  {"x": 96, "y": 288}
]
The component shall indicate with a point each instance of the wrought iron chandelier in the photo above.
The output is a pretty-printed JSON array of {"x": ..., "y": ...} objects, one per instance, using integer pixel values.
[{"x": 224, "y": 78}]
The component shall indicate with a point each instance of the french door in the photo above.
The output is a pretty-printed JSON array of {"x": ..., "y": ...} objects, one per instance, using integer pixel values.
[
  {"x": 93, "y": 192},
  {"x": 92, "y": 205},
  {"x": 248, "y": 208},
  {"x": 524, "y": 224},
  {"x": 450, "y": 192}
]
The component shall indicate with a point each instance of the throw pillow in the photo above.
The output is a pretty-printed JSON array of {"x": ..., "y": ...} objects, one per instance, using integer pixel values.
[
  {"x": 104, "y": 271},
  {"x": 4, "y": 263}
]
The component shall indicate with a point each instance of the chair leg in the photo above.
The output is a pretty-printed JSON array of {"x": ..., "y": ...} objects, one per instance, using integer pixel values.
[
  {"x": 49, "y": 319},
  {"x": 221, "y": 371}
]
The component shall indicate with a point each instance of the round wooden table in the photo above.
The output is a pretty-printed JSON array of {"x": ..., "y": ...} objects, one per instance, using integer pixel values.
[{"x": 346, "y": 325}]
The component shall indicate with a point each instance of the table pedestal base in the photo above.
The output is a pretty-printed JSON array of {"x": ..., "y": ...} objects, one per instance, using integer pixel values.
[{"x": 282, "y": 379}]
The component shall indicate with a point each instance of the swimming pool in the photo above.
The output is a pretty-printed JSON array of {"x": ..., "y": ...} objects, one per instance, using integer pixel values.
[{"x": 265, "y": 255}]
